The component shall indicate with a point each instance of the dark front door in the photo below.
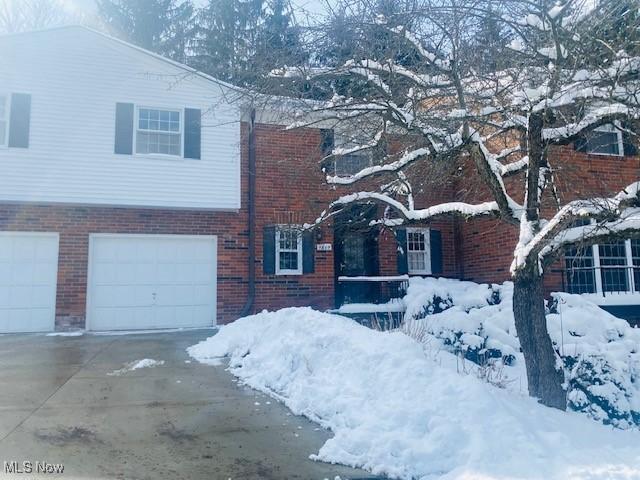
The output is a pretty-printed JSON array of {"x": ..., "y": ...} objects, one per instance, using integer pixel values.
[{"x": 356, "y": 255}]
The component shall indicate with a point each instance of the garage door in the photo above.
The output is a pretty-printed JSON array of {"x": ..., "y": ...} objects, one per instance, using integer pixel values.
[
  {"x": 28, "y": 274},
  {"x": 151, "y": 281}
]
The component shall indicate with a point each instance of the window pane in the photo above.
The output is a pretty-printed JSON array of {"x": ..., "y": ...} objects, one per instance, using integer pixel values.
[
  {"x": 288, "y": 260},
  {"x": 580, "y": 272},
  {"x": 635, "y": 255},
  {"x": 415, "y": 241},
  {"x": 603, "y": 142},
  {"x": 352, "y": 163},
  {"x": 159, "y": 120},
  {"x": 3, "y": 132},
  {"x": 613, "y": 254},
  {"x": 3, "y": 107},
  {"x": 163, "y": 143},
  {"x": 416, "y": 261}
]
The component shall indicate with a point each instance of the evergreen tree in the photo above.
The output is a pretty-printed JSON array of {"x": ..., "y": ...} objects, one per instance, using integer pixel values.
[
  {"x": 241, "y": 41},
  {"x": 162, "y": 26}
]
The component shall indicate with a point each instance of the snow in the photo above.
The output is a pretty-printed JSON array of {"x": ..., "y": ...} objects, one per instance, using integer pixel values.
[
  {"x": 77, "y": 333},
  {"x": 398, "y": 409},
  {"x": 391, "y": 306},
  {"x": 136, "y": 365}
]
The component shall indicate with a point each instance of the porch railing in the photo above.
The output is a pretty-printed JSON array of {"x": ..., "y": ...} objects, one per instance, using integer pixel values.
[
  {"x": 373, "y": 289},
  {"x": 602, "y": 280}
]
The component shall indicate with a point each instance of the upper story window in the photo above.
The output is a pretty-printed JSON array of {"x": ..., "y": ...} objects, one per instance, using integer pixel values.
[
  {"x": 605, "y": 140},
  {"x": 352, "y": 163},
  {"x": 159, "y": 132},
  {"x": 4, "y": 119},
  {"x": 418, "y": 251}
]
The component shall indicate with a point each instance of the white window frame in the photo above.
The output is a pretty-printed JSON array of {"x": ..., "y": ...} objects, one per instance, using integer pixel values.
[
  {"x": 628, "y": 266},
  {"x": 7, "y": 107},
  {"x": 427, "y": 251},
  {"x": 179, "y": 132},
  {"x": 286, "y": 271},
  {"x": 609, "y": 128}
]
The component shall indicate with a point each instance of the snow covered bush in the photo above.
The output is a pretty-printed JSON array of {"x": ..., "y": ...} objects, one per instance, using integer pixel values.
[{"x": 599, "y": 352}]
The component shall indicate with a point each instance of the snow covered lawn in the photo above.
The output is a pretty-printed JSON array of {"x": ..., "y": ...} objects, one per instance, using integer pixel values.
[{"x": 399, "y": 409}]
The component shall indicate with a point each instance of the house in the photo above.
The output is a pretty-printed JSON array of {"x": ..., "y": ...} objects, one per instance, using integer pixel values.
[{"x": 134, "y": 194}]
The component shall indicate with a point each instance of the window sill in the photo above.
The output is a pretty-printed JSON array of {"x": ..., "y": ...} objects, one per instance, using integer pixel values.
[
  {"x": 613, "y": 298},
  {"x": 287, "y": 273}
]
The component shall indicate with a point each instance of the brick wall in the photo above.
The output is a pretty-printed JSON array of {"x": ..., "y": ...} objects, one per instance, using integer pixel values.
[
  {"x": 290, "y": 189},
  {"x": 487, "y": 244}
]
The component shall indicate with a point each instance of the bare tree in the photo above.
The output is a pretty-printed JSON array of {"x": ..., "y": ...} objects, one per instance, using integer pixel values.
[
  {"x": 26, "y": 15},
  {"x": 411, "y": 77}
]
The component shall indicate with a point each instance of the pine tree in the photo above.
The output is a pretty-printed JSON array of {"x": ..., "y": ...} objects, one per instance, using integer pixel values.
[{"x": 161, "y": 26}]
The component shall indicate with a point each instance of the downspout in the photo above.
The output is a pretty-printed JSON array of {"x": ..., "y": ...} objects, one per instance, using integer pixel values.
[{"x": 251, "y": 212}]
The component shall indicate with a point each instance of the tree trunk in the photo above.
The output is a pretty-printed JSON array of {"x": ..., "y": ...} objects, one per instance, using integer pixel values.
[{"x": 545, "y": 381}]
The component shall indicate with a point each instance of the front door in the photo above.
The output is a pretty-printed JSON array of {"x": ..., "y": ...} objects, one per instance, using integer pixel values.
[{"x": 356, "y": 255}]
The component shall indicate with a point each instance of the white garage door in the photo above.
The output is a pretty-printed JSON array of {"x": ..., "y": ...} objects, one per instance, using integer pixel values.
[
  {"x": 151, "y": 281},
  {"x": 28, "y": 274}
]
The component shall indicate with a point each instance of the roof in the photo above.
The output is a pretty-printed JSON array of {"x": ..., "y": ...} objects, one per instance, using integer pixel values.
[{"x": 134, "y": 47}]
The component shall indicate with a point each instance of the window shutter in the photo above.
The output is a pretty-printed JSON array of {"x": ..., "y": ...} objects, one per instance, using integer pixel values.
[
  {"x": 19, "y": 120},
  {"x": 326, "y": 141},
  {"x": 192, "y": 132},
  {"x": 435, "y": 242},
  {"x": 401, "y": 237},
  {"x": 124, "y": 129},
  {"x": 269, "y": 250},
  {"x": 308, "y": 251},
  {"x": 627, "y": 142}
]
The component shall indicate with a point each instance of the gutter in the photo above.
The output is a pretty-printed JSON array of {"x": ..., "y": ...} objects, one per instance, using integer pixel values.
[{"x": 251, "y": 220}]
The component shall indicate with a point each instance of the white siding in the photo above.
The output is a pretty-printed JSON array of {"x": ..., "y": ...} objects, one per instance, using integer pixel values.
[{"x": 76, "y": 77}]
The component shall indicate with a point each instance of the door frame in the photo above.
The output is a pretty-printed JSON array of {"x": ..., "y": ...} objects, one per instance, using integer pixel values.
[{"x": 94, "y": 236}]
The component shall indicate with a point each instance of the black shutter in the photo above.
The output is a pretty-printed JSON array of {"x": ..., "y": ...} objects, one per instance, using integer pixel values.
[
  {"x": 124, "y": 129},
  {"x": 627, "y": 141},
  {"x": 308, "y": 251},
  {"x": 435, "y": 241},
  {"x": 192, "y": 132},
  {"x": 19, "y": 120},
  {"x": 327, "y": 141},
  {"x": 269, "y": 250},
  {"x": 401, "y": 237},
  {"x": 580, "y": 144}
]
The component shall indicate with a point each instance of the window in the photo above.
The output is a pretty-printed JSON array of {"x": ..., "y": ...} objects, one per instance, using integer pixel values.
[
  {"x": 580, "y": 271},
  {"x": 606, "y": 268},
  {"x": 418, "y": 257},
  {"x": 288, "y": 251},
  {"x": 605, "y": 140},
  {"x": 352, "y": 163},
  {"x": 613, "y": 255},
  {"x": 159, "y": 132},
  {"x": 4, "y": 119}
]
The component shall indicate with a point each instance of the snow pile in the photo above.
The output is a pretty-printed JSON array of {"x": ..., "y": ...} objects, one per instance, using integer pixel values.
[
  {"x": 599, "y": 351},
  {"x": 396, "y": 411},
  {"x": 136, "y": 365}
]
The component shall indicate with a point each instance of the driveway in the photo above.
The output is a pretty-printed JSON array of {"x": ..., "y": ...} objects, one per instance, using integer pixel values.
[{"x": 61, "y": 403}]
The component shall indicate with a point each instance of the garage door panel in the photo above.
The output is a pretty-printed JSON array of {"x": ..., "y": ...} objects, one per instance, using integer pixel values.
[
  {"x": 139, "y": 282},
  {"x": 28, "y": 278}
]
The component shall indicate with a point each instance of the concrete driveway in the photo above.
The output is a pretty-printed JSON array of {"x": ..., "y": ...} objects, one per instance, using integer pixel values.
[{"x": 58, "y": 404}]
